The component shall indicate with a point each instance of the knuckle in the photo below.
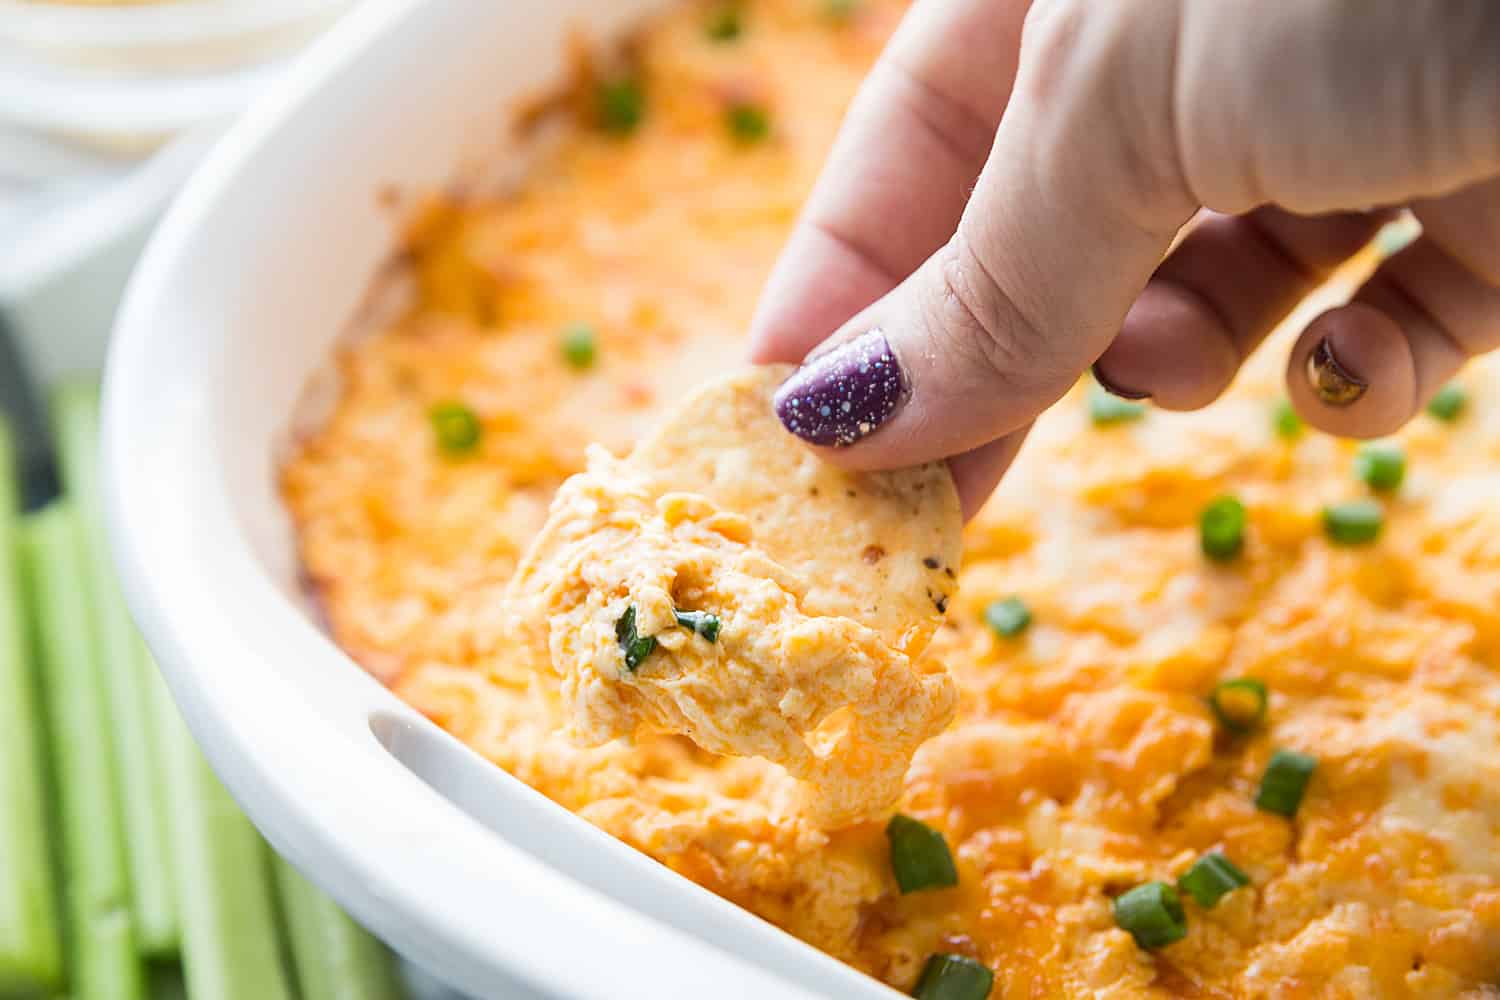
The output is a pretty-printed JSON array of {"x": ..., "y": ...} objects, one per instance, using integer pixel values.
[
  {"x": 1064, "y": 42},
  {"x": 1052, "y": 28},
  {"x": 1464, "y": 229},
  {"x": 1485, "y": 266},
  {"x": 1471, "y": 75},
  {"x": 1486, "y": 251},
  {"x": 975, "y": 320},
  {"x": 1105, "y": 79}
]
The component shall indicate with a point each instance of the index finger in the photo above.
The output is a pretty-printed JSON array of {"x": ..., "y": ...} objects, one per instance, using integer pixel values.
[{"x": 900, "y": 173}]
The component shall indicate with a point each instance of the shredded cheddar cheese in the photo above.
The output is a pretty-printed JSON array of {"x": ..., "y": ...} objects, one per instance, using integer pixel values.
[
  {"x": 812, "y": 655},
  {"x": 1084, "y": 758}
]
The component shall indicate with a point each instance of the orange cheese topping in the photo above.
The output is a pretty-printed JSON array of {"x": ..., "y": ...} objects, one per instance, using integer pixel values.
[{"x": 1083, "y": 759}]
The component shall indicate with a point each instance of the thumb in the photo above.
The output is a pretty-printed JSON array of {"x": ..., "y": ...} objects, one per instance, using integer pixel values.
[
  {"x": 1064, "y": 229},
  {"x": 1125, "y": 118}
]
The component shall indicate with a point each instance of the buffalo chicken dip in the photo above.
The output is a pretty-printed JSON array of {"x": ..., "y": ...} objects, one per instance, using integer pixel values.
[{"x": 1211, "y": 707}]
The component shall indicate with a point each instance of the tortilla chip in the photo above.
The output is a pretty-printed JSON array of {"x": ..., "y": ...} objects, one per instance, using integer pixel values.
[
  {"x": 881, "y": 548},
  {"x": 725, "y": 583}
]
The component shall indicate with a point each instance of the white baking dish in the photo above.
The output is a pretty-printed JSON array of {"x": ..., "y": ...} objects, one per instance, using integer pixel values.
[{"x": 256, "y": 270}]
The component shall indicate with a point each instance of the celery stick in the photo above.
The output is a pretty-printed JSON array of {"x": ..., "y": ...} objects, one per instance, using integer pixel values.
[
  {"x": 335, "y": 958},
  {"x": 230, "y": 949},
  {"x": 103, "y": 963},
  {"x": 75, "y": 413},
  {"x": 30, "y": 938},
  {"x": 163, "y": 714}
]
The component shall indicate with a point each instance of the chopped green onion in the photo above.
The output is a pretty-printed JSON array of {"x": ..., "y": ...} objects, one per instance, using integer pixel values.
[
  {"x": 748, "y": 123},
  {"x": 700, "y": 623},
  {"x": 1240, "y": 704},
  {"x": 1285, "y": 421},
  {"x": 635, "y": 646},
  {"x": 1381, "y": 465},
  {"x": 1008, "y": 618},
  {"x": 1357, "y": 522},
  {"x": 1396, "y": 236},
  {"x": 1285, "y": 781},
  {"x": 1211, "y": 878},
  {"x": 1106, "y": 409},
  {"x": 953, "y": 977},
  {"x": 920, "y": 857},
  {"x": 1152, "y": 913},
  {"x": 621, "y": 105},
  {"x": 1221, "y": 528},
  {"x": 840, "y": 11},
  {"x": 580, "y": 346},
  {"x": 457, "y": 428},
  {"x": 724, "y": 23},
  {"x": 1449, "y": 402}
]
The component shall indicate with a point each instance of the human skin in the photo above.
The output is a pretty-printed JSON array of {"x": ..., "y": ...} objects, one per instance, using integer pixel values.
[{"x": 1003, "y": 195}]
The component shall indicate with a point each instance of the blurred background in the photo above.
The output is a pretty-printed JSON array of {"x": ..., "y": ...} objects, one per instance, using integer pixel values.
[
  {"x": 126, "y": 871},
  {"x": 105, "y": 108}
]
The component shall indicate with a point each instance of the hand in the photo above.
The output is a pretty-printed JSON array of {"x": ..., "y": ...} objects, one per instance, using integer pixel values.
[{"x": 1089, "y": 134}]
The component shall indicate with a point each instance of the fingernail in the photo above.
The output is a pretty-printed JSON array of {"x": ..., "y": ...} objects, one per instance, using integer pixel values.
[
  {"x": 843, "y": 395},
  {"x": 1115, "y": 390},
  {"x": 1334, "y": 384}
]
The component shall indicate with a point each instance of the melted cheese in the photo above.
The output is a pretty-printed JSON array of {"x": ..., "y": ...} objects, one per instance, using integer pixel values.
[
  {"x": 823, "y": 696},
  {"x": 1082, "y": 758}
]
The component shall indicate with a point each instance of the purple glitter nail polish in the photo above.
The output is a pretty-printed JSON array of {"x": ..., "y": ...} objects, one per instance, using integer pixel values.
[{"x": 840, "y": 397}]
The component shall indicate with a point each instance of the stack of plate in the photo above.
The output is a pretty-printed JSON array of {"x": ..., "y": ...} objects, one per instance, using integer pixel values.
[
  {"x": 105, "y": 108},
  {"x": 127, "y": 77}
]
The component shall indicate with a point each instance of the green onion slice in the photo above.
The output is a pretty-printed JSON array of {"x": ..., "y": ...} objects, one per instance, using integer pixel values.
[
  {"x": 840, "y": 10},
  {"x": 724, "y": 23},
  {"x": 1396, "y": 236},
  {"x": 1357, "y": 522},
  {"x": 1381, "y": 465},
  {"x": 456, "y": 427},
  {"x": 748, "y": 123},
  {"x": 580, "y": 346},
  {"x": 1153, "y": 915},
  {"x": 920, "y": 857},
  {"x": 1448, "y": 405},
  {"x": 1285, "y": 421},
  {"x": 1285, "y": 781},
  {"x": 953, "y": 977},
  {"x": 1221, "y": 528},
  {"x": 1211, "y": 878},
  {"x": 1008, "y": 618},
  {"x": 1240, "y": 704},
  {"x": 700, "y": 623},
  {"x": 621, "y": 105},
  {"x": 635, "y": 646},
  {"x": 1106, "y": 409}
]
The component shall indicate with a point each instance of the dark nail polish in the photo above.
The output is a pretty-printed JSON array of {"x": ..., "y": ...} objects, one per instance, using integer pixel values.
[
  {"x": 1115, "y": 390},
  {"x": 844, "y": 394},
  {"x": 1334, "y": 384}
]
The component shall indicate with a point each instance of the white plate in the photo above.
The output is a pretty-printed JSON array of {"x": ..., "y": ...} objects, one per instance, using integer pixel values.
[
  {"x": 256, "y": 269},
  {"x": 128, "y": 78},
  {"x": 189, "y": 34},
  {"x": 124, "y": 116}
]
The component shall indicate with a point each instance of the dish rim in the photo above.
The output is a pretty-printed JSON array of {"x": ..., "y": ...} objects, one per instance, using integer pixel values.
[{"x": 422, "y": 873}]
